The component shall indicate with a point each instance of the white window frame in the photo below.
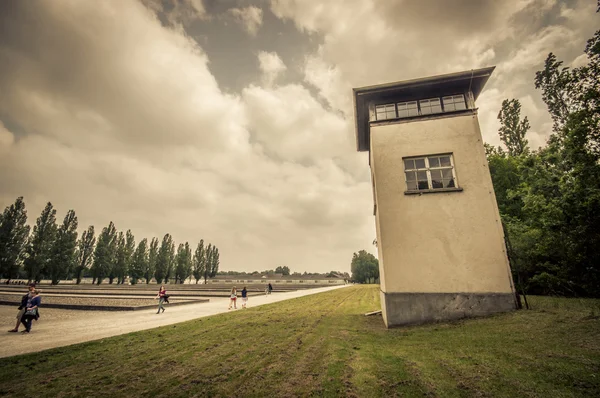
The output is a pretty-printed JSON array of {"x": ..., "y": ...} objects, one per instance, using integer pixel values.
[
  {"x": 407, "y": 107},
  {"x": 388, "y": 110},
  {"x": 428, "y": 170},
  {"x": 426, "y": 104},
  {"x": 452, "y": 101}
]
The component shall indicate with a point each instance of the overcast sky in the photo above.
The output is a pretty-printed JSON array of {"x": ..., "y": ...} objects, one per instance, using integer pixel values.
[{"x": 231, "y": 121}]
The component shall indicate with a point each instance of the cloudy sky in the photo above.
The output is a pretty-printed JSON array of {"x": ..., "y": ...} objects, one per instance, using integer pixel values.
[{"x": 231, "y": 120}]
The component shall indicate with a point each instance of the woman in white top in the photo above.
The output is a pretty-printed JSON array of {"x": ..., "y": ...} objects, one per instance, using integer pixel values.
[{"x": 233, "y": 298}]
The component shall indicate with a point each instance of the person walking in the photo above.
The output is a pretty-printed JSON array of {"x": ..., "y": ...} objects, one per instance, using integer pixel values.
[
  {"x": 22, "y": 307},
  {"x": 270, "y": 287},
  {"x": 233, "y": 298},
  {"x": 161, "y": 296},
  {"x": 31, "y": 311},
  {"x": 244, "y": 297}
]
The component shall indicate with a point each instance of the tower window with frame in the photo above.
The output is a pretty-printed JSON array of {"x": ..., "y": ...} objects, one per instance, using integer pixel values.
[
  {"x": 408, "y": 109},
  {"x": 387, "y": 111},
  {"x": 429, "y": 106},
  {"x": 428, "y": 173},
  {"x": 454, "y": 103}
]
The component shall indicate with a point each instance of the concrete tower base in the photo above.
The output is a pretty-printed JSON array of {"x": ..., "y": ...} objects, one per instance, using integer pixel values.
[{"x": 400, "y": 309}]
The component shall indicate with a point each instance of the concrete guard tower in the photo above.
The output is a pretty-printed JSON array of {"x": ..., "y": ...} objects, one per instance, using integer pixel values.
[{"x": 440, "y": 240}]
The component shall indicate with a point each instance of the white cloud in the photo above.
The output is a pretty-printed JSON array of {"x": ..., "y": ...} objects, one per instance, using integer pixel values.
[
  {"x": 370, "y": 42},
  {"x": 249, "y": 17},
  {"x": 122, "y": 121},
  {"x": 271, "y": 66}
]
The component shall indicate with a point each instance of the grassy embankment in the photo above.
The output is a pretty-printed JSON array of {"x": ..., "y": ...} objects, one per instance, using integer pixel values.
[{"x": 322, "y": 345}]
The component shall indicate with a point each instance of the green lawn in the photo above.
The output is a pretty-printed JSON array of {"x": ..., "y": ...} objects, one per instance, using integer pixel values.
[{"x": 323, "y": 345}]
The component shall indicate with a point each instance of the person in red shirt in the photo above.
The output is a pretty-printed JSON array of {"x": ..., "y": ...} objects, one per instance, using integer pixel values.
[{"x": 162, "y": 293}]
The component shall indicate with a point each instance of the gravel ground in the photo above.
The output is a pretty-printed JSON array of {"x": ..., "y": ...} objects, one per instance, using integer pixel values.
[{"x": 90, "y": 301}]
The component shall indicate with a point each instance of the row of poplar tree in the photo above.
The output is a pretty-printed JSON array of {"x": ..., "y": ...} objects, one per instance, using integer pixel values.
[{"x": 54, "y": 252}]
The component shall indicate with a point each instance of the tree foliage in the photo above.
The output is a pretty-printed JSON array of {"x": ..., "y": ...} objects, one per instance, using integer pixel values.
[
  {"x": 41, "y": 243},
  {"x": 62, "y": 260},
  {"x": 105, "y": 253},
  {"x": 199, "y": 261},
  {"x": 364, "y": 267},
  {"x": 183, "y": 261},
  {"x": 152, "y": 257},
  {"x": 549, "y": 198},
  {"x": 14, "y": 233},
  {"x": 54, "y": 252},
  {"x": 512, "y": 128},
  {"x": 164, "y": 260},
  {"x": 139, "y": 262},
  {"x": 85, "y": 252},
  {"x": 285, "y": 270}
]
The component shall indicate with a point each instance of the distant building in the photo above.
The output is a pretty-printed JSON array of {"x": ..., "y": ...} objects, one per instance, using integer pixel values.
[
  {"x": 278, "y": 279},
  {"x": 439, "y": 235}
]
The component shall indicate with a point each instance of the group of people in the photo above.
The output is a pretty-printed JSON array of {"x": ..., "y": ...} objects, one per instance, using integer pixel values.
[
  {"x": 28, "y": 310},
  {"x": 233, "y": 298},
  {"x": 163, "y": 297}
]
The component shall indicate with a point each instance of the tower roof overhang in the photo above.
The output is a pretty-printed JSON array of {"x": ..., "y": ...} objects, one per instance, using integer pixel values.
[{"x": 472, "y": 80}]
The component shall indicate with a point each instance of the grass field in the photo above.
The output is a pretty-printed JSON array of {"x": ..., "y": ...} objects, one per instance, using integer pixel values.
[{"x": 323, "y": 345}]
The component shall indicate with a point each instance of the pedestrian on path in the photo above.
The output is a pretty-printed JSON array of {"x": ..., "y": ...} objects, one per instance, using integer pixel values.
[
  {"x": 31, "y": 311},
  {"x": 244, "y": 297},
  {"x": 233, "y": 298},
  {"x": 22, "y": 307},
  {"x": 162, "y": 296},
  {"x": 270, "y": 287}
]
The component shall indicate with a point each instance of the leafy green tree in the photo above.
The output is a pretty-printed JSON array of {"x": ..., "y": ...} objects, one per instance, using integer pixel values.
[
  {"x": 208, "y": 261},
  {"x": 282, "y": 270},
  {"x": 152, "y": 258},
  {"x": 364, "y": 267},
  {"x": 139, "y": 264},
  {"x": 128, "y": 249},
  {"x": 85, "y": 252},
  {"x": 506, "y": 177},
  {"x": 214, "y": 262},
  {"x": 39, "y": 249},
  {"x": 512, "y": 129},
  {"x": 105, "y": 253},
  {"x": 62, "y": 260},
  {"x": 183, "y": 261},
  {"x": 549, "y": 198},
  {"x": 119, "y": 259},
  {"x": 164, "y": 260},
  {"x": 14, "y": 232},
  {"x": 199, "y": 261}
]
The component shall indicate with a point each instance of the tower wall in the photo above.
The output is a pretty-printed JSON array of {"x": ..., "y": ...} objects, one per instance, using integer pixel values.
[{"x": 442, "y": 254}]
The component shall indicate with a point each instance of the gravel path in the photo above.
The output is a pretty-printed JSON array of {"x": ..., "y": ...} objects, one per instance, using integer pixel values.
[{"x": 58, "y": 328}]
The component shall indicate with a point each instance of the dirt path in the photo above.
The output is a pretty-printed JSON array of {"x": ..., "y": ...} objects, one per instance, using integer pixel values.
[{"x": 58, "y": 328}]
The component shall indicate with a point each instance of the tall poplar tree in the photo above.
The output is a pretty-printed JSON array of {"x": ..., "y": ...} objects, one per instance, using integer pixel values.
[
  {"x": 152, "y": 258},
  {"x": 39, "y": 249},
  {"x": 208, "y": 261},
  {"x": 105, "y": 253},
  {"x": 63, "y": 252},
  {"x": 128, "y": 249},
  {"x": 119, "y": 259},
  {"x": 214, "y": 262},
  {"x": 139, "y": 263},
  {"x": 512, "y": 129},
  {"x": 199, "y": 261},
  {"x": 164, "y": 260},
  {"x": 85, "y": 252},
  {"x": 183, "y": 262},
  {"x": 14, "y": 233}
]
